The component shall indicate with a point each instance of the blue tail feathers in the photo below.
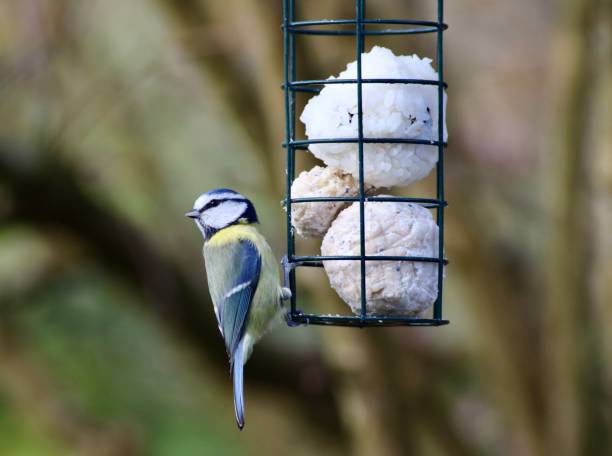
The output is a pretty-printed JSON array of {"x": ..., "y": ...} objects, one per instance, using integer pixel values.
[{"x": 237, "y": 375}]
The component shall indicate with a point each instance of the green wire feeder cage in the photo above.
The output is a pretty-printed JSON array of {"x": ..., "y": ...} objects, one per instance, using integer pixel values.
[{"x": 362, "y": 27}]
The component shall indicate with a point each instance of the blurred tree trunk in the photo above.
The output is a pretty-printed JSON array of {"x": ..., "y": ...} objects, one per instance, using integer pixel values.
[
  {"x": 504, "y": 344},
  {"x": 364, "y": 401},
  {"x": 600, "y": 170},
  {"x": 568, "y": 303}
]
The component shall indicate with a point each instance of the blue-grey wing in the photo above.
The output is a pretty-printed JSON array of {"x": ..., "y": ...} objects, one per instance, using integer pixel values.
[{"x": 233, "y": 278}]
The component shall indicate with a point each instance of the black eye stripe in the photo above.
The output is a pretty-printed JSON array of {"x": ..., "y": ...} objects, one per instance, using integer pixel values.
[{"x": 215, "y": 203}]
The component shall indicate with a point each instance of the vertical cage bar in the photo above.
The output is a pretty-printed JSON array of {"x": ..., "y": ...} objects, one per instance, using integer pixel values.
[
  {"x": 437, "y": 313},
  {"x": 293, "y": 77},
  {"x": 359, "y": 45},
  {"x": 289, "y": 76}
]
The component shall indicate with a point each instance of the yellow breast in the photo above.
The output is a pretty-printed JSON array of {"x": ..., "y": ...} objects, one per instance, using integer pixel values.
[{"x": 234, "y": 233}]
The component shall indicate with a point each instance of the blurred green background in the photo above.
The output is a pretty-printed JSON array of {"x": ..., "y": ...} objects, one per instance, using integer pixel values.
[{"x": 115, "y": 115}]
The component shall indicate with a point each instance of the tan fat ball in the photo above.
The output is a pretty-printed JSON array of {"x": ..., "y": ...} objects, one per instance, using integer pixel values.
[
  {"x": 391, "y": 229},
  {"x": 312, "y": 220}
]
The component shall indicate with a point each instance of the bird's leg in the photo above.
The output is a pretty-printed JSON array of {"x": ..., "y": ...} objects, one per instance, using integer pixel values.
[
  {"x": 286, "y": 290},
  {"x": 287, "y": 267}
]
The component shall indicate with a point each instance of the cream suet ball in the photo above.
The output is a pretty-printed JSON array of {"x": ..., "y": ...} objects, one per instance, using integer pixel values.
[
  {"x": 391, "y": 229},
  {"x": 311, "y": 220},
  {"x": 389, "y": 111}
]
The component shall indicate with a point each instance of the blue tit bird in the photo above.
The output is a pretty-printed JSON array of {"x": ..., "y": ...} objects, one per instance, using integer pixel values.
[{"x": 243, "y": 277}]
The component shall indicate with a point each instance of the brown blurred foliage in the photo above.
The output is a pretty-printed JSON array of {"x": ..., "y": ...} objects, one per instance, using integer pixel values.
[{"x": 115, "y": 115}]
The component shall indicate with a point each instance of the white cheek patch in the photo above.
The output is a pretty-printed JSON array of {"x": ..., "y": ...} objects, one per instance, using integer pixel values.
[{"x": 224, "y": 214}]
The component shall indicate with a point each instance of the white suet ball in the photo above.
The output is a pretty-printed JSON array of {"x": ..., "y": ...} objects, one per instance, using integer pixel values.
[
  {"x": 389, "y": 111},
  {"x": 311, "y": 220},
  {"x": 391, "y": 229}
]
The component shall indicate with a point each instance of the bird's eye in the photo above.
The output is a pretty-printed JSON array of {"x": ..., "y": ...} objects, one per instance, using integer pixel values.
[{"x": 214, "y": 203}]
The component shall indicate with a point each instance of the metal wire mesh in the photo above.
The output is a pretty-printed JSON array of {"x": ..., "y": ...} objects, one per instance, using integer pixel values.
[{"x": 291, "y": 28}]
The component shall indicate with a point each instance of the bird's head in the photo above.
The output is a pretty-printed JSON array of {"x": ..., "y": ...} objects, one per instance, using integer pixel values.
[{"x": 220, "y": 208}]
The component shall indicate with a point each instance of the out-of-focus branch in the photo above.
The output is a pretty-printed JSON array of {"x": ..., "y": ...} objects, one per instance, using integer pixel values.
[{"x": 45, "y": 192}]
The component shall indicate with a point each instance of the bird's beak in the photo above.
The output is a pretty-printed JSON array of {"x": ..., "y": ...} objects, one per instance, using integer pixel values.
[{"x": 193, "y": 214}]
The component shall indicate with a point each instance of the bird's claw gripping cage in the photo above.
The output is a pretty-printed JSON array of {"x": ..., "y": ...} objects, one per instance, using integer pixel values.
[{"x": 291, "y": 85}]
